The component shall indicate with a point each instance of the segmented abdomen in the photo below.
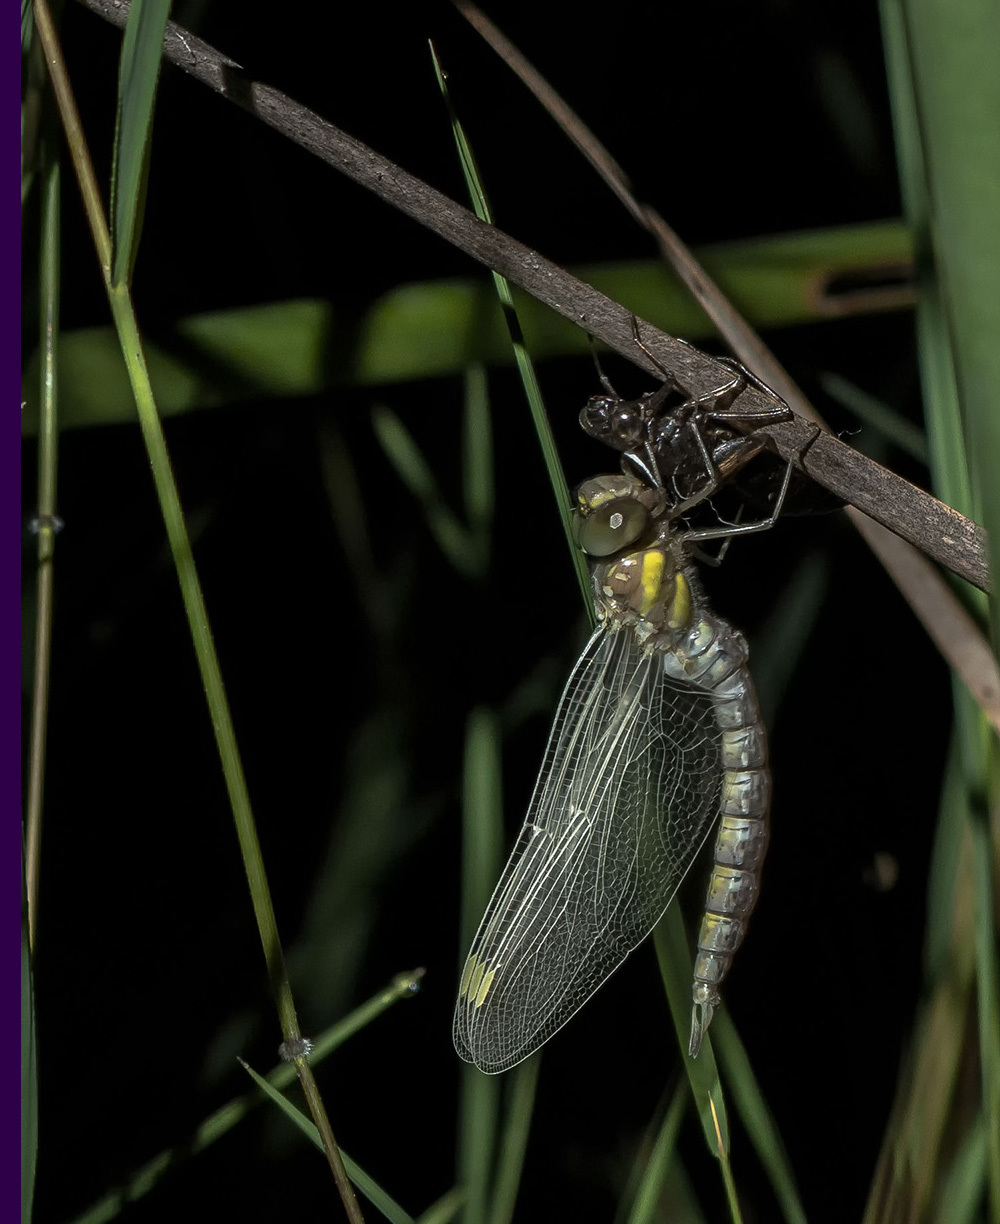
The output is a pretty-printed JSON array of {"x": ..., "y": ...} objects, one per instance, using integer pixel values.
[{"x": 714, "y": 658}]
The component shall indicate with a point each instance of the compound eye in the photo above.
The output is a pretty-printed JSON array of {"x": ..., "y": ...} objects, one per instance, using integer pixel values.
[{"x": 612, "y": 527}]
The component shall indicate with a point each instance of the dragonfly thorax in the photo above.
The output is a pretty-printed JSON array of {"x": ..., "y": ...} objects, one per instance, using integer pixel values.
[{"x": 647, "y": 589}]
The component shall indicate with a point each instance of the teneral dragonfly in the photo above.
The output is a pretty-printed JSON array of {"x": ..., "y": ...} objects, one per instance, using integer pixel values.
[{"x": 657, "y": 734}]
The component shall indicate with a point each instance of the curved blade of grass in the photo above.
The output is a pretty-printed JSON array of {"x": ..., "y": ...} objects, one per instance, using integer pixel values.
[
  {"x": 224, "y": 1119},
  {"x": 402, "y": 451},
  {"x": 138, "y": 74},
  {"x": 368, "y": 1186},
  {"x": 677, "y": 970}
]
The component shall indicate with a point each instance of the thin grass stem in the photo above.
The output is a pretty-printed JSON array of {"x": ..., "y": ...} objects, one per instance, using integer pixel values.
[
  {"x": 47, "y": 525},
  {"x": 123, "y": 315}
]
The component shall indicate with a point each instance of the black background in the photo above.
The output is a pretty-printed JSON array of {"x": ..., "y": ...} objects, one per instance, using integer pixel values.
[{"x": 149, "y": 974}]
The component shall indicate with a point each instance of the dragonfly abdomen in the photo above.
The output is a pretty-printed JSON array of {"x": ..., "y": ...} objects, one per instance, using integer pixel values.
[{"x": 715, "y": 658}]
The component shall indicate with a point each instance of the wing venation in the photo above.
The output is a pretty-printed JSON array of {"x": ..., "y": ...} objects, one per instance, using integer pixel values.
[{"x": 627, "y": 792}]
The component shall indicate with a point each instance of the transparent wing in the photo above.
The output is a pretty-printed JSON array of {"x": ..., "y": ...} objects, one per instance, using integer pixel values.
[{"x": 629, "y": 787}]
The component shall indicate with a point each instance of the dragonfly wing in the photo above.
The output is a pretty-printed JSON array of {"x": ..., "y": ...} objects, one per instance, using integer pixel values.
[{"x": 628, "y": 790}]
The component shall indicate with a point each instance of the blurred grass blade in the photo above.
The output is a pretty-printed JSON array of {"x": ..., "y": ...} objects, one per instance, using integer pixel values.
[
  {"x": 433, "y": 329},
  {"x": 445, "y": 1209},
  {"x": 645, "y": 1202},
  {"x": 780, "y": 643},
  {"x": 478, "y": 1110},
  {"x": 370, "y": 1188},
  {"x": 223, "y": 1120},
  {"x": 481, "y": 850},
  {"x": 520, "y": 1103},
  {"x": 138, "y": 75},
  {"x": 677, "y": 971},
  {"x": 550, "y": 453},
  {"x": 757, "y": 1119},
  {"x": 477, "y": 456},
  {"x": 950, "y": 838},
  {"x": 482, "y": 843},
  {"x": 988, "y": 997},
  {"x": 872, "y": 411},
  {"x": 961, "y": 1194},
  {"x": 402, "y": 451}
]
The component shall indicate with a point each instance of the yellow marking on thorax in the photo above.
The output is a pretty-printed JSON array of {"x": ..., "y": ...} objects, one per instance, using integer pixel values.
[
  {"x": 682, "y": 605},
  {"x": 651, "y": 577}
]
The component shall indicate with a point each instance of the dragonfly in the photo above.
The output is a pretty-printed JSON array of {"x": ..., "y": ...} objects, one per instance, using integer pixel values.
[{"x": 657, "y": 738}]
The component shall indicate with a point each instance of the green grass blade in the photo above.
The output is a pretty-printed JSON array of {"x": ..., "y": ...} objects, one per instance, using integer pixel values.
[
  {"x": 479, "y": 1108},
  {"x": 445, "y": 1209},
  {"x": 944, "y": 114},
  {"x": 482, "y": 843},
  {"x": 732, "y": 1198},
  {"x": 521, "y": 1085},
  {"x": 945, "y": 869},
  {"x": 988, "y": 997},
  {"x": 402, "y": 451},
  {"x": 435, "y": 329},
  {"x": 138, "y": 75},
  {"x": 230, "y": 1115},
  {"x": 47, "y": 524},
  {"x": 477, "y": 457},
  {"x": 781, "y": 642},
  {"x": 370, "y": 1188},
  {"x": 757, "y": 1119},
  {"x": 650, "y": 1185},
  {"x": 961, "y": 1197},
  {"x": 482, "y": 819},
  {"x": 29, "y": 1070},
  {"x": 676, "y": 969},
  {"x": 953, "y": 61},
  {"x": 543, "y": 430}
]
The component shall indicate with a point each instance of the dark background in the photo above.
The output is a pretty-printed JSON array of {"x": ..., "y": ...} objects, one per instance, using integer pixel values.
[{"x": 149, "y": 975}]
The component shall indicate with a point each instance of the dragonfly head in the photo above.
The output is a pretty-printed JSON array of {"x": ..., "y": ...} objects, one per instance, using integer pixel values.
[{"x": 613, "y": 513}]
